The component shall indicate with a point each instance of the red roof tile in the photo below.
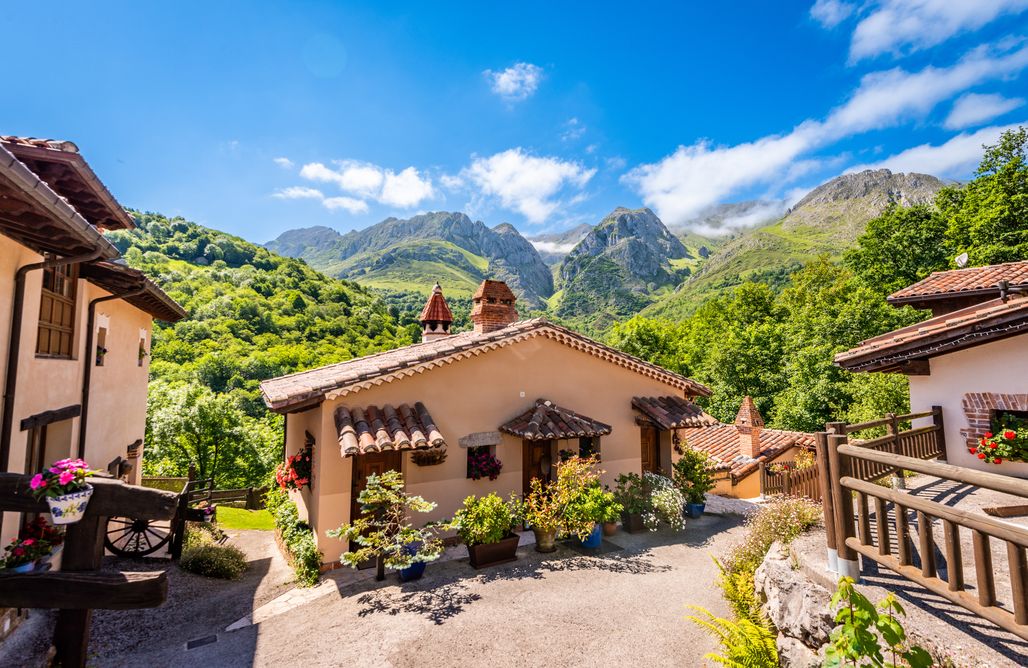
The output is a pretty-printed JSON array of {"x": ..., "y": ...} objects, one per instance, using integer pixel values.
[
  {"x": 940, "y": 335},
  {"x": 436, "y": 309},
  {"x": 672, "y": 412},
  {"x": 547, "y": 420},
  {"x": 963, "y": 282},
  {"x": 497, "y": 290},
  {"x": 721, "y": 442},
  {"x": 748, "y": 415},
  {"x": 374, "y": 429},
  {"x": 306, "y": 388}
]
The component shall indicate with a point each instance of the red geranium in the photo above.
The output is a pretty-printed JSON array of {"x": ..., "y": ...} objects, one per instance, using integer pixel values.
[
  {"x": 1011, "y": 444},
  {"x": 295, "y": 472}
]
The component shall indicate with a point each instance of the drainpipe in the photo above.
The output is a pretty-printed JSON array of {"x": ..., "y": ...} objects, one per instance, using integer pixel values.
[
  {"x": 87, "y": 365},
  {"x": 14, "y": 345}
]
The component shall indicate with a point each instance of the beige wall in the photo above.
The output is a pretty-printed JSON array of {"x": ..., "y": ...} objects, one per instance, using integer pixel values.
[
  {"x": 118, "y": 395},
  {"x": 1000, "y": 366},
  {"x": 475, "y": 395}
]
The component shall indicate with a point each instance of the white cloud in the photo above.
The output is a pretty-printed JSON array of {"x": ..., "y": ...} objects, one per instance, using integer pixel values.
[
  {"x": 285, "y": 163},
  {"x": 694, "y": 177},
  {"x": 405, "y": 189},
  {"x": 554, "y": 246},
  {"x": 526, "y": 183},
  {"x": 298, "y": 192},
  {"x": 974, "y": 109},
  {"x": 904, "y": 26},
  {"x": 573, "y": 129},
  {"x": 346, "y": 203},
  {"x": 517, "y": 82},
  {"x": 955, "y": 158},
  {"x": 830, "y": 13}
]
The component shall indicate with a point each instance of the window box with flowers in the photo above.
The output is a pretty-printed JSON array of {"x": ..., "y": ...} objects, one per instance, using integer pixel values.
[
  {"x": 1005, "y": 445},
  {"x": 65, "y": 489},
  {"x": 482, "y": 463}
]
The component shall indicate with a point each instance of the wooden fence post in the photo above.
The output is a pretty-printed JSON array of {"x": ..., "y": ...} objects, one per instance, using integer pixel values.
[
  {"x": 763, "y": 478},
  {"x": 842, "y": 499},
  {"x": 940, "y": 434},
  {"x": 83, "y": 551},
  {"x": 823, "y": 474},
  {"x": 898, "y": 481},
  {"x": 787, "y": 481}
]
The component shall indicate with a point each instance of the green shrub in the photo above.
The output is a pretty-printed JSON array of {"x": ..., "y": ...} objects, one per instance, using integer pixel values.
[
  {"x": 861, "y": 626},
  {"x": 744, "y": 644},
  {"x": 740, "y": 591},
  {"x": 297, "y": 536},
  {"x": 693, "y": 475},
  {"x": 214, "y": 561},
  {"x": 487, "y": 519}
]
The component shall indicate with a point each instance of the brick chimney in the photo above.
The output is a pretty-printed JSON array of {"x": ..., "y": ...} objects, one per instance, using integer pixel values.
[
  {"x": 436, "y": 317},
  {"x": 493, "y": 307},
  {"x": 749, "y": 424}
]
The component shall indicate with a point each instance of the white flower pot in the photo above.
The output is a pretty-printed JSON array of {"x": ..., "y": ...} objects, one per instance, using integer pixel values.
[{"x": 69, "y": 508}]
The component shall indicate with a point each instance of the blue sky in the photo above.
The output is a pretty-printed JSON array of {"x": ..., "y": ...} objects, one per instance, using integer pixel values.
[{"x": 258, "y": 117}]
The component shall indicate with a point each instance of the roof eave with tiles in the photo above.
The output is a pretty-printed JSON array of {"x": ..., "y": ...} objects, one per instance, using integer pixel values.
[{"x": 941, "y": 285}]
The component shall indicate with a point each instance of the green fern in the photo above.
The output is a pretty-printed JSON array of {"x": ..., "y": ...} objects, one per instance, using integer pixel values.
[
  {"x": 740, "y": 592},
  {"x": 744, "y": 644}
]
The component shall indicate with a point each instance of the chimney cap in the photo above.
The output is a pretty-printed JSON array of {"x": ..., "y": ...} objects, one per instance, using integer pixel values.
[
  {"x": 436, "y": 309},
  {"x": 748, "y": 415},
  {"x": 494, "y": 289}
]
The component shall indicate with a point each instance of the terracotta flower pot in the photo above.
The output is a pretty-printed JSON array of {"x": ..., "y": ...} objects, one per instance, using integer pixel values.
[
  {"x": 610, "y": 528},
  {"x": 491, "y": 554},
  {"x": 545, "y": 541}
]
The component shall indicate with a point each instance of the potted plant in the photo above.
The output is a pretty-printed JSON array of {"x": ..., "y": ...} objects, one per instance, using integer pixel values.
[
  {"x": 416, "y": 569},
  {"x": 65, "y": 489},
  {"x": 631, "y": 492},
  {"x": 49, "y": 538},
  {"x": 692, "y": 474},
  {"x": 383, "y": 531},
  {"x": 578, "y": 493},
  {"x": 486, "y": 525},
  {"x": 610, "y": 513},
  {"x": 543, "y": 515},
  {"x": 666, "y": 502},
  {"x": 586, "y": 511},
  {"x": 21, "y": 555},
  {"x": 295, "y": 472},
  {"x": 1008, "y": 444}
]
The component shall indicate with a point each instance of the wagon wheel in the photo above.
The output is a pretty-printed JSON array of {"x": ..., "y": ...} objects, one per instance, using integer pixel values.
[{"x": 127, "y": 537}]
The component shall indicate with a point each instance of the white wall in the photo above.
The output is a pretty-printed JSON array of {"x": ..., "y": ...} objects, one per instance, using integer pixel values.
[{"x": 1000, "y": 367}]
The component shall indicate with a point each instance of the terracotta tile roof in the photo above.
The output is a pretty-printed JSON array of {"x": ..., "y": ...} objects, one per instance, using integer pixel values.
[
  {"x": 672, "y": 412},
  {"x": 497, "y": 290},
  {"x": 63, "y": 168},
  {"x": 121, "y": 280},
  {"x": 942, "y": 334},
  {"x": 748, "y": 415},
  {"x": 374, "y": 429},
  {"x": 436, "y": 309},
  {"x": 307, "y": 388},
  {"x": 963, "y": 282},
  {"x": 721, "y": 442},
  {"x": 547, "y": 420}
]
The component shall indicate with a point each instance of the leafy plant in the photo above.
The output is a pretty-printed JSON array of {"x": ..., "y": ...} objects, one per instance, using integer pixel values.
[
  {"x": 1006, "y": 444},
  {"x": 542, "y": 509},
  {"x": 632, "y": 493},
  {"x": 383, "y": 531},
  {"x": 214, "y": 561},
  {"x": 744, "y": 644},
  {"x": 855, "y": 642},
  {"x": 488, "y": 519},
  {"x": 295, "y": 472},
  {"x": 740, "y": 592},
  {"x": 573, "y": 492},
  {"x": 692, "y": 473},
  {"x": 64, "y": 476},
  {"x": 588, "y": 508},
  {"x": 297, "y": 536},
  {"x": 24, "y": 551},
  {"x": 666, "y": 503}
]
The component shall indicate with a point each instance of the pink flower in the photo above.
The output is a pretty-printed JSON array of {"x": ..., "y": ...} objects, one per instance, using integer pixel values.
[
  {"x": 28, "y": 541},
  {"x": 66, "y": 477},
  {"x": 37, "y": 481}
]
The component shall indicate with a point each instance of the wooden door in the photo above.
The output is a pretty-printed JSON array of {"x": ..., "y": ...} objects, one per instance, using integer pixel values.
[
  {"x": 536, "y": 458},
  {"x": 650, "y": 451},
  {"x": 363, "y": 466}
]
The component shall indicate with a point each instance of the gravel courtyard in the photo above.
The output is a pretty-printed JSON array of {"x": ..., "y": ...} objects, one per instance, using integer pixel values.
[{"x": 622, "y": 605}]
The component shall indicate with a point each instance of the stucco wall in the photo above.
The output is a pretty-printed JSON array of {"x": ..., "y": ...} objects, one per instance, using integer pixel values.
[
  {"x": 118, "y": 396},
  {"x": 476, "y": 395},
  {"x": 1000, "y": 367}
]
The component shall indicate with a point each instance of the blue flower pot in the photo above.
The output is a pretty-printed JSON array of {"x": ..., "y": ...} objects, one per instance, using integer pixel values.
[
  {"x": 23, "y": 568},
  {"x": 416, "y": 570},
  {"x": 594, "y": 539},
  {"x": 694, "y": 510}
]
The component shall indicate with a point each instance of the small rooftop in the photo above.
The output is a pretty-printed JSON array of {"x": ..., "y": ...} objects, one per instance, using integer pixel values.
[
  {"x": 546, "y": 420},
  {"x": 969, "y": 282}
]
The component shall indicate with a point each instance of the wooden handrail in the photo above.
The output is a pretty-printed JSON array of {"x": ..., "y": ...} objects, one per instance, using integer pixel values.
[
  {"x": 993, "y": 481},
  {"x": 84, "y": 590},
  {"x": 110, "y": 498}
]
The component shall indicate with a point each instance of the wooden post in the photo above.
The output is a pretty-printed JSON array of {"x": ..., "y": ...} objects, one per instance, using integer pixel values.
[
  {"x": 787, "y": 481},
  {"x": 83, "y": 551},
  {"x": 842, "y": 501},
  {"x": 178, "y": 523},
  {"x": 940, "y": 434},
  {"x": 895, "y": 446},
  {"x": 763, "y": 478},
  {"x": 824, "y": 480}
]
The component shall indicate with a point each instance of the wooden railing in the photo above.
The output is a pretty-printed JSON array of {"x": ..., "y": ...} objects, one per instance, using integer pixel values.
[
  {"x": 79, "y": 587},
  {"x": 790, "y": 481},
  {"x": 851, "y": 529},
  {"x": 927, "y": 442}
]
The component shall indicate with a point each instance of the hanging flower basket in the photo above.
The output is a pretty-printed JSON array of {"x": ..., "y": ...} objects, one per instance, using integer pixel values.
[{"x": 65, "y": 489}]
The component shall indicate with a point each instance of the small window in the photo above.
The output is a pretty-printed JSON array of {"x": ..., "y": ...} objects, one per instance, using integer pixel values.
[
  {"x": 101, "y": 345},
  {"x": 588, "y": 446},
  {"x": 141, "y": 354},
  {"x": 57, "y": 312},
  {"x": 482, "y": 463},
  {"x": 1009, "y": 420}
]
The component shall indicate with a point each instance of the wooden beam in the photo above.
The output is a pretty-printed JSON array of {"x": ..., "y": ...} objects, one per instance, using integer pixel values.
[
  {"x": 49, "y": 417},
  {"x": 84, "y": 590},
  {"x": 111, "y": 498}
]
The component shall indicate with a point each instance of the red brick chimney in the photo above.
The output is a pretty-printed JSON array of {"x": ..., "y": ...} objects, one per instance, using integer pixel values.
[
  {"x": 436, "y": 317},
  {"x": 749, "y": 424},
  {"x": 493, "y": 307}
]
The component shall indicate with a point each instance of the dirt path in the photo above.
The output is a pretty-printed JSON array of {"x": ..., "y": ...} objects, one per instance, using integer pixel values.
[{"x": 622, "y": 606}]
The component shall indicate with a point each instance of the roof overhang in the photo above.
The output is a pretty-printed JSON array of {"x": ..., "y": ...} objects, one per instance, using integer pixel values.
[
  {"x": 548, "y": 421},
  {"x": 142, "y": 292},
  {"x": 60, "y": 164}
]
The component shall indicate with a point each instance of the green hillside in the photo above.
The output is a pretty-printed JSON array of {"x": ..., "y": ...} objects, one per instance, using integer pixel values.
[{"x": 416, "y": 266}]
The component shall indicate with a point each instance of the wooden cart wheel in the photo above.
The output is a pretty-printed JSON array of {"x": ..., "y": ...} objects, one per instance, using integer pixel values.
[{"x": 127, "y": 537}]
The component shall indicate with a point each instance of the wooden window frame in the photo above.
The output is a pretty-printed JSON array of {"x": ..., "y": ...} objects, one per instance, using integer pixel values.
[{"x": 59, "y": 288}]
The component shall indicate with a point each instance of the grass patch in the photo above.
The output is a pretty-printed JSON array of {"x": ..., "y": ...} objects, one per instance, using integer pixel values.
[{"x": 240, "y": 518}]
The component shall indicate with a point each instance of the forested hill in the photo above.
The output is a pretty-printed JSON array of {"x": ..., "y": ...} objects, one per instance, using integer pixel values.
[{"x": 253, "y": 315}]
